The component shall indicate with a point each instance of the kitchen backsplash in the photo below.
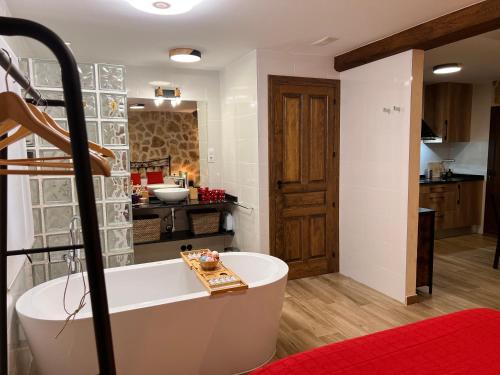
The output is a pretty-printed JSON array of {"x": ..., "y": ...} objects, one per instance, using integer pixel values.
[
  {"x": 54, "y": 199},
  {"x": 470, "y": 157}
]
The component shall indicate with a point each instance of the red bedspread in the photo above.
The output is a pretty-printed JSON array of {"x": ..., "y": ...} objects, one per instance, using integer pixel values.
[{"x": 466, "y": 342}]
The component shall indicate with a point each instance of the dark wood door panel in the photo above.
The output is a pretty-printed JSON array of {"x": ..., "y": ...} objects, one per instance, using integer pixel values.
[
  {"x": 318, "y": 119},
  {"x": 317, "y": 236},
  {"x": 292, "y": 120},
  {"x": 303, "y": 137},
  {"x": 305, "y": 199},
  {"x": 292, "y": 239}
]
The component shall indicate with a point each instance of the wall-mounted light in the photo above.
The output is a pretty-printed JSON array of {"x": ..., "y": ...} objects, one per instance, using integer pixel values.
[
  {"x": 137, "y": 106},
  {"x": 185, "y": 55},
  {"x": 447, "y": 68},
  {"x": 164, "y": 7}
]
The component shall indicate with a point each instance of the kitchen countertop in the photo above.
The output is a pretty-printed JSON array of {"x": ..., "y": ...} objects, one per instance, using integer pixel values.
[{"x": 454, "y": 179}]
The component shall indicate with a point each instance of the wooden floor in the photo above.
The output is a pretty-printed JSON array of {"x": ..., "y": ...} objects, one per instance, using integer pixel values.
[{"x": 324, "y": 309}]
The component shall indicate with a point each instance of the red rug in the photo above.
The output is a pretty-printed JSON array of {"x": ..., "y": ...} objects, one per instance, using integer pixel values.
[{"x": 466, "y": 342}]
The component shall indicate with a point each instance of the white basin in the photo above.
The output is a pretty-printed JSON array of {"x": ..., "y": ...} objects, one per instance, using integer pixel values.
[
  {"x": 170, "y": 195},
  {"x": 153, "y": 187}
]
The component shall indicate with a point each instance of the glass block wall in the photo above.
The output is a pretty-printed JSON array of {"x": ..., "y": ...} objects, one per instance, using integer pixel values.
[{"x": 54, "y": 198}]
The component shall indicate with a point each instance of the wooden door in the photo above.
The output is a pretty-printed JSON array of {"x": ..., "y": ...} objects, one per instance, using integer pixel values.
[
  {"x": 493, "y": 176},
  {"x": 303, "y": 141}
]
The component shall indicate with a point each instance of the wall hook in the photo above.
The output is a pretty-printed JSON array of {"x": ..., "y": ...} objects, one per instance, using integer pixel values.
[{"x": 386, "y": 110}]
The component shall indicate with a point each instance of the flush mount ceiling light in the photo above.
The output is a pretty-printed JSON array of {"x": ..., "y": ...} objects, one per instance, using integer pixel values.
[
  {"x": 447, "y": 68},
  {"x": 137, "y": 106},
  {"x": 166, "y": 7},
  {"x": 185, "y": 55}
]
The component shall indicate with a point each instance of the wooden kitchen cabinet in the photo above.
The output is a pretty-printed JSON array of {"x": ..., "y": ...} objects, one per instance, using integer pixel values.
[
  {"x": 469, "y": 203},
  {"x": 447, "y": 110},
  {"x": 457, "y": 205}
]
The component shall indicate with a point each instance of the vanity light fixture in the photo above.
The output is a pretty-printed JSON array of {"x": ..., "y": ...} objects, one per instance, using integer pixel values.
[
  {"x": 185, "y": 55},
  {"x": 159, "y": 101},
  {"x": 447, "y": 68},
  {"x": 137, "y": 106},
  {"x": 164, "y": 7}
]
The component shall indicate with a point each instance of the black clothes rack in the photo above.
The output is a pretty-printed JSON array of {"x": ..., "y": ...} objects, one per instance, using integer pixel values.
[{"x": 85, "y": 189}]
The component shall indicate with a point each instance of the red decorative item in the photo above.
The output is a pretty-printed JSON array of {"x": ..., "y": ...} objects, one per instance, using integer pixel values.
[
  {"x": 136, "y": 178},
  {"x": 154, "y": 177}
]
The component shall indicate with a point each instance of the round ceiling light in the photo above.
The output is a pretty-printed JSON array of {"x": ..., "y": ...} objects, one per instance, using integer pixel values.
[
  {"x": 447, "y": 68},
  {"x": 167, "y": 7},
  {"x": 185, "y": 55}
]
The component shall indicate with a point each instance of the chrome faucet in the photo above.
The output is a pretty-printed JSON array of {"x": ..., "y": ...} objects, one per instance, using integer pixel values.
[{"x": 73, "y": 254}]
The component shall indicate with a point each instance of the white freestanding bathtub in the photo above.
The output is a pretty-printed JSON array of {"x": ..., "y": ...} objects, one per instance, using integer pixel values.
[{"x": 163, "y": 320}]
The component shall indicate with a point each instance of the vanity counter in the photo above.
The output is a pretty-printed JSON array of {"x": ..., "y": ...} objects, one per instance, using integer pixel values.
[{"x": 157, "y": 204}]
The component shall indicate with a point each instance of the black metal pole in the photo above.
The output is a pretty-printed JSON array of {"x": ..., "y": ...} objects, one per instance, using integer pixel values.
[
  {"x": 83, "y": 178},
  {"x": 4, "y": 366},
  {"x": 15, "y": 73}
]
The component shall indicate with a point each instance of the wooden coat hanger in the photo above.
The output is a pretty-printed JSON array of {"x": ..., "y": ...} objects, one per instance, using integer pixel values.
[
  {"x": 14, "y": 108},
  {"x": 93, "y": 146}
]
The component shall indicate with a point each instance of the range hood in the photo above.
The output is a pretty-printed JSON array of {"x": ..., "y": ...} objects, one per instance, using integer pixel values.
[{"x": 427, "y": 135}]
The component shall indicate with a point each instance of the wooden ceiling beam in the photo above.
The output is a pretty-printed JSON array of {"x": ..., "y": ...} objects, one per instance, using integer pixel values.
[{"x": 461, "y": 24}]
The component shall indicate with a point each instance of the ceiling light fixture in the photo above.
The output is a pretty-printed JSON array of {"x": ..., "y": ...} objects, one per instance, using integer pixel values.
[
  {"x": 164, "y": 8},
  {"x": 137, "y": 106},
  {"x": 447, "y": 68},
  {"x": 185, "y": 55}
]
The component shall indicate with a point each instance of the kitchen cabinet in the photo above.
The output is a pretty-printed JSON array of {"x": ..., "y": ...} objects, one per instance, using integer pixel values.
[
  {"x": 469, "y": 203},
  {"x": 457, "y": 205},
  {"x": 447, "y": 110}
]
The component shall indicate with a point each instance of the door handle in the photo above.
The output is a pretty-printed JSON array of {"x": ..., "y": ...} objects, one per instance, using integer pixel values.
[{"x": 279, "y": 183}]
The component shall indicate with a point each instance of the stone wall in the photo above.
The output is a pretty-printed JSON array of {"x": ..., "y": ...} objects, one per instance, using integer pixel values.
[{"x": 156, "y": 135}]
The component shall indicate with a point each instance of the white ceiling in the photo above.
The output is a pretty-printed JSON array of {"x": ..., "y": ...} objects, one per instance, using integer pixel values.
[
  {"x": 112, "y": 31},
  {"x": 479, "y": 55}
]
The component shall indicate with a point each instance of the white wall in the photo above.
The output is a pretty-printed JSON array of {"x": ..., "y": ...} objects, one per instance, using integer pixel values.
[
  {"x": 374, "y": 172},
  {"x": 240, "y": 146},
  {"x": 198, "y": 85},
  {"x": 271, "y": 62}
]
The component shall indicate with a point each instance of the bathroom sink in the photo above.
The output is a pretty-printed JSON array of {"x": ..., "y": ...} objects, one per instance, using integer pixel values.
[
  {"x": 171, "y": 195},
  {"x": 153, "y": 187}
]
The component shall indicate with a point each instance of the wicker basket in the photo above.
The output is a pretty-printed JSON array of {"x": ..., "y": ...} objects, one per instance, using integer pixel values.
[
  {"x": 146, "y": 228},
  {"x": 204, "y": 221}
]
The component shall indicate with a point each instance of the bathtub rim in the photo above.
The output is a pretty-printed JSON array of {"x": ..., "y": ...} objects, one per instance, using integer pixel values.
[{"x": 23, "y": 307}]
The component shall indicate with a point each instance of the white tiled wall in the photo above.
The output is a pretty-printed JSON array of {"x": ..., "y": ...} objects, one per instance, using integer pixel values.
[
  {"x": 374, "y": 167},
  {"x": 240, "y": 147}
]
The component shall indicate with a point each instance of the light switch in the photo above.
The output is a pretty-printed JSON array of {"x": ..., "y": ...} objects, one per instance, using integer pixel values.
[{"x": 211, "y": 155}]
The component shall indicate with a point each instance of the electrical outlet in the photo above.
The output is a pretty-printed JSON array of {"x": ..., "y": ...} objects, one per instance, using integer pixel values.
[{"x": 211, "y": 155}]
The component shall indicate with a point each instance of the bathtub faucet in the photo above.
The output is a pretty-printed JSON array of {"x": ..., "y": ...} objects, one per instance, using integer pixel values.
[{"x": 73, "y": 254}]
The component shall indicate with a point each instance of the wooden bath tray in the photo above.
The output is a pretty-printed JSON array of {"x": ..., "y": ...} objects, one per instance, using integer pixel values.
[{"x": 218, "y": 281}]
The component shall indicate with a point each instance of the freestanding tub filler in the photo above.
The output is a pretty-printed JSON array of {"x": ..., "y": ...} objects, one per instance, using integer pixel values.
[{"x": 163, "y": 320}]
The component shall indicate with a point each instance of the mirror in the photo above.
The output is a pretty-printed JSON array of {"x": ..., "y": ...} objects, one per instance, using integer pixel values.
[{"x": 167, "y": 138}]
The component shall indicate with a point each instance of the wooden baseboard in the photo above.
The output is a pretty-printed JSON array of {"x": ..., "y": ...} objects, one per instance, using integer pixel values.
[
  {"x": 410, "y": 300},
  {"x": 444, "y": 233}
]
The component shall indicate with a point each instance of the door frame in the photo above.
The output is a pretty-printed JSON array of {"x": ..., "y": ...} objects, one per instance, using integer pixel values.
[{"x": 273, "y": 82}]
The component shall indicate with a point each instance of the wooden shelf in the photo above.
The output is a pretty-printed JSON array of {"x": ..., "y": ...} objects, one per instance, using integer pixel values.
[{"x": 185, "y": 235}]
